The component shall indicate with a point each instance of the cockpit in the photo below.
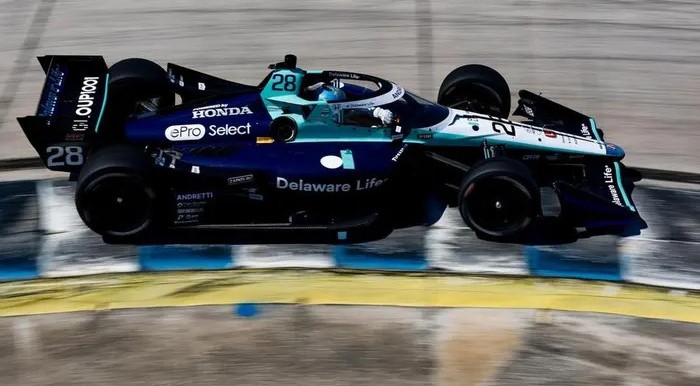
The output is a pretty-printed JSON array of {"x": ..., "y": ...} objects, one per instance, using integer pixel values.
[{"x": 364, "y": 100}]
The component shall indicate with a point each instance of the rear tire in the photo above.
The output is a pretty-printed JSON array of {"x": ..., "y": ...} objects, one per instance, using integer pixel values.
[
  {"x": 132, "y": 82},
  {"x": 476, "y": 88},
  {"x": 499, "y": 199},
  {"x": 114, "y": 196}
]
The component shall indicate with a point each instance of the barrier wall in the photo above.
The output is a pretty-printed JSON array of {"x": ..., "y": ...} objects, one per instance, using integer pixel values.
[{"x": 42, "y": 236}]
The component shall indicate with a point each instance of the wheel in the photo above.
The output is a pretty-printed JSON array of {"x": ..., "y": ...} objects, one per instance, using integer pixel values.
[
  {"x": 134, "y": 83},
  {"x": 114, "y": 196},
  {"x": 283, "y": 129},
  {"x": 476, "y": 88},
  {"x": 499, "y": 199}
]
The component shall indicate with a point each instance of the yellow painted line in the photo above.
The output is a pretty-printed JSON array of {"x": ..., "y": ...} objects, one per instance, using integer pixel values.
[{"x": 179, "y": 289}]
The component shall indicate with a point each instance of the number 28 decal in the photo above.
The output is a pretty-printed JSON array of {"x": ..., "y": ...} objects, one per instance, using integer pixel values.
[
  {"x": 284, "y": 83},
  {"x": 61, "y": 156}
]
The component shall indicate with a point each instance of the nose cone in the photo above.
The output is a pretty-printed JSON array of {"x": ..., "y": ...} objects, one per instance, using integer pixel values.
[{"x": 613, "y": 150}]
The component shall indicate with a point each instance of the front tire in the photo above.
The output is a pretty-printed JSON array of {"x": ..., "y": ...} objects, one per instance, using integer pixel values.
[
  {"x": 499, "y": 199},
  {"x": 114, "y": 196},
  {"x": 476, "y": 88}
]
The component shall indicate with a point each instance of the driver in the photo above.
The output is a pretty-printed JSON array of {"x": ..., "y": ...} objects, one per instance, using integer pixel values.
[{"x": 329, "y": 93}]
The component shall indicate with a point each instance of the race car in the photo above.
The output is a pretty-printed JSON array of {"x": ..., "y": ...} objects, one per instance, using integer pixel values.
[{"x": 173, "y": 155}]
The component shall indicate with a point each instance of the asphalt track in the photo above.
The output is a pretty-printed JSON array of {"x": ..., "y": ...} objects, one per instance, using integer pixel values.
[
  {"x": 294, "y": 327},
  {"x": 633, "y": 65}
]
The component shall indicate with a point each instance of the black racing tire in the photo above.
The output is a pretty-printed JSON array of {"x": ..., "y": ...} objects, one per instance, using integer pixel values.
[
  {"x": 132, "y": 81},
  {"x": 499, "y": 199},
  {"x": 114, "y": 195},
  {"x": 477, "y": 88}
]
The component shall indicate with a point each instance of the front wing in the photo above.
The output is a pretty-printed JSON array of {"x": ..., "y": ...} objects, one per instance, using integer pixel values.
[{"x": 603, "y": 202}]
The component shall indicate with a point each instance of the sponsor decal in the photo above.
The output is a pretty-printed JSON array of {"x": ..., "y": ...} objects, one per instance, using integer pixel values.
[
  {"x": 190, "y": 210},
  {"x": 550, "y": 134},
  {"x": 398, "y": 92},
  {"x": 325, "y": 112},
  {"x": 237, "y": 180},
  {"x": 192, "y": 204},
  {"x": 86, "y": 98},
  {"x": 184, "y": 132},
  {"x": 195, "y": 196},
  {"x": 609, "y": 180},
  {"x": 610, "y": 146},
  {"x": 195, "y": 169},
  {"x": 181, "y": 82},
  {"x": 75, "y": 136},
  {"x": 54, "y": 84},
  {"x": 398, "y": 155},
  {"x": 344, "y": 75},
  {"x": 425, "y": 136},
  {"x": 304, "y": 186},
  {"x": 528, "y": 111},
  {"x": 264, "y": 140},
  {"x": 79, "y": 124},
  {"x": 220, "y": 110},
  {"x": 331, "y": 162},
  {"x": 201, "y": 86},
  {"x": 531, "y": 157},
  {"x": 585, "y": 131},
  {"x": 229, "y": 130}
]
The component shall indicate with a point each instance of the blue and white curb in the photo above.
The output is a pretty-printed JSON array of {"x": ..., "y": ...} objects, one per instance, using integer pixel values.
[{"x": 41, "y": 235}]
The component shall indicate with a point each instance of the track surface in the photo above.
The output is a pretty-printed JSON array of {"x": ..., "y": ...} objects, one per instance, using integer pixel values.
[
  {"x": 633, "y": 65},
  {"x": 336, "y": 345},
  {"x": 250, "y": 332}
]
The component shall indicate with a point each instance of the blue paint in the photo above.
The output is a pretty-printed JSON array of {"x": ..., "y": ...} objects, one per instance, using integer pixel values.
[
  {"x": 177, "y": 257},
  {"x": 246, "y": 310},
  {"x": 20, "y": 268},
  {"x": 352, "y": 257},
  {"x": 554, "y": 264}
]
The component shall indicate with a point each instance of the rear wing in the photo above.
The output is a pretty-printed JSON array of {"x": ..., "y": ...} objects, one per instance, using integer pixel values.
[
  {"x": 546, "y": 113},
  {"x": 70, "y": 110}
]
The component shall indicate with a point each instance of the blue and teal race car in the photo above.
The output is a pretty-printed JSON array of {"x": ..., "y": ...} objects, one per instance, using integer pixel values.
[{"x": 177, "y": 155}]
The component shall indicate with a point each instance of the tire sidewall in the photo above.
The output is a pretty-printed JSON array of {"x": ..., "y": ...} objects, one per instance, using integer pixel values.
[
  {"x": 126, "y": 163},
  {"x": 92, "y": 185},
  {"x": 507, "y": 170}
]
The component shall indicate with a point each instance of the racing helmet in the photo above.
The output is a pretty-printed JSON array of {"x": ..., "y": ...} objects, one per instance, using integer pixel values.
[{"x": 331, "y": 94}]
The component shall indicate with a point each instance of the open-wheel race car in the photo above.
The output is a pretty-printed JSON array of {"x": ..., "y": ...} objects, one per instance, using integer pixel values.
[{"x": 167, "y": 155}]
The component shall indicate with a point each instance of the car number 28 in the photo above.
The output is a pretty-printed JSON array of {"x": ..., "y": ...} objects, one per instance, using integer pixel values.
[{"x": 60, "y": 156}]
